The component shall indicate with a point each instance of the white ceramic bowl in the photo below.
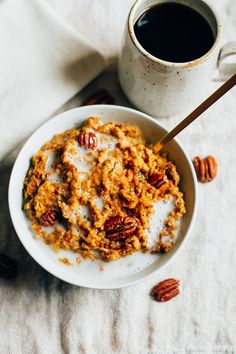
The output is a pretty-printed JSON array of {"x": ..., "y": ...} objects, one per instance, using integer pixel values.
[{"x": 128, "y": 270}]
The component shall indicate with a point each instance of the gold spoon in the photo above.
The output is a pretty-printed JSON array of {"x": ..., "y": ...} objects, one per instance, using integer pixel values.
[{"x": 196, "y": 113}]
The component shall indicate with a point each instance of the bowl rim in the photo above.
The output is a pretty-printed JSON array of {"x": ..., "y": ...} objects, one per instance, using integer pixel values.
[{"x": 55, "y": 272}]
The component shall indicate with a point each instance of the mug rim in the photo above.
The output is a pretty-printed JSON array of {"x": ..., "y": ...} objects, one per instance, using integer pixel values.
[{"x": 186, "y": 64}]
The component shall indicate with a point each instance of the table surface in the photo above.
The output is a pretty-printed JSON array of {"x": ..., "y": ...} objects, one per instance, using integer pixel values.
[{"x": 60, "y": 318}]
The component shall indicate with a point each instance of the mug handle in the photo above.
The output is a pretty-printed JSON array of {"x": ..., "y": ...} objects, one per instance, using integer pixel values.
[{"x": 225, "y": 65}]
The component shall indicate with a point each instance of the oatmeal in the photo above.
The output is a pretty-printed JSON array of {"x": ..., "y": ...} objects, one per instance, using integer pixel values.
[{"x": 92, "y": 189}]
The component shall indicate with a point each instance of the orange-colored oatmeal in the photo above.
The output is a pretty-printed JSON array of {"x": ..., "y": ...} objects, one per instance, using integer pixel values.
[{"x": 91, "y": 190}]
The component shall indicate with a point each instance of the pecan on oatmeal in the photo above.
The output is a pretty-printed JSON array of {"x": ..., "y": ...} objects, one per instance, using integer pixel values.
[
  {"x": 119, "y": 228},
  {"x": 157, "y": 180},
  {"x": 49, "y": 218},
  {"x": 88, "y": 140}
]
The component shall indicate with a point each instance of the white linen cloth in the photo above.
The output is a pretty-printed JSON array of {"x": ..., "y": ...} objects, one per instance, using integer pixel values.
[
  {"x": 40, "y": 314},
  {"x": 43, "y": 63}
]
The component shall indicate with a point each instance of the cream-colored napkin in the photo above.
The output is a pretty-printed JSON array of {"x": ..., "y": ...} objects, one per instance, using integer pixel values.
[{"x": 43, "y": 63}]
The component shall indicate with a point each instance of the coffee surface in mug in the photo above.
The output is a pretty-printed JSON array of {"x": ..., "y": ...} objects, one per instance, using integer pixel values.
[{"x": 174, "y": 32}]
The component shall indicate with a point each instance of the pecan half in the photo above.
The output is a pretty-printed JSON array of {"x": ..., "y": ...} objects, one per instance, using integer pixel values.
[
  {"x": 8, "y": 267},
  {"x": 206, "y": 169},
  {"x": 157, "y": 180},
  {"x": 88, "y": 140},
  {"x": 100, "y": 97},
  {"x": 49, "y": 218},
  {"x": 119, "y": 228},
  {"x": 165, "y": 290}
]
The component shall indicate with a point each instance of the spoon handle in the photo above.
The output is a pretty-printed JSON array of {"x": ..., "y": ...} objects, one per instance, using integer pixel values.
[{"x": 196, "y": 113}]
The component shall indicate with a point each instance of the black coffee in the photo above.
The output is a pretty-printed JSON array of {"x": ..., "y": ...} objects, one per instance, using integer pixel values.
[{"x": 174, "y": 32}]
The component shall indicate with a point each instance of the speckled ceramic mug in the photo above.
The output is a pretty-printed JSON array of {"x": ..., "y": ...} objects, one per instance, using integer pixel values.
[{"x": 161, "y": 88}]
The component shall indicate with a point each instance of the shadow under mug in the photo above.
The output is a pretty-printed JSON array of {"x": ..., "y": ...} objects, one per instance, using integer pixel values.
[{"x": 161, "y": 88}]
